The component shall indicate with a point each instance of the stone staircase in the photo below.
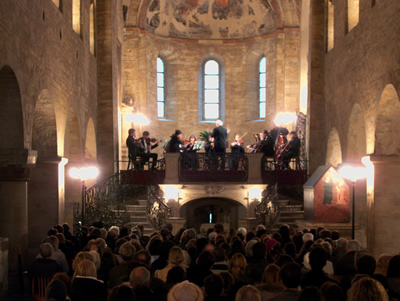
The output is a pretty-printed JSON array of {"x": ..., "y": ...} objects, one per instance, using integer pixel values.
[
  {"x": 289, "y": 214},
  {"x": 138, "y": 215}
]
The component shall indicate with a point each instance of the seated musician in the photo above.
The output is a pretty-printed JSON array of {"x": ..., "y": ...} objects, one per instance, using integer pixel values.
[
  {"x": 293, "y": 151},
  {"x": 144, "y": 149},
  {"x": 278, "y": 131},
  {"x": 131, "y": 143},
  {"x": 237, "y": 151},
  {"x": 176, "y": 143},
  {"x": 265, "y": 145},
  {"x": 190, "y": 158}
]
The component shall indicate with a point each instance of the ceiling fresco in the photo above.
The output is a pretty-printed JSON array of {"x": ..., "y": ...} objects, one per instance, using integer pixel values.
[{"x": 210, "y": 19}]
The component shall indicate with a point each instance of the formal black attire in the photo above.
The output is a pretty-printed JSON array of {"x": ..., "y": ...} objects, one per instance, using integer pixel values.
[
  {"x": 268, "y": 146},
  {"x": 142, "y": 152},
  {"x": 88, "y": 288},
  {"x": 190, "y": 158},
  {"x": 220, "y": 135},
  {"x": 275, "y": 132},
  {"x": 293, "y": 152},
  {"x": 132, "y": 149},
  {"x": 237, "y": 152},
  {"x": 175, "y": 144}
]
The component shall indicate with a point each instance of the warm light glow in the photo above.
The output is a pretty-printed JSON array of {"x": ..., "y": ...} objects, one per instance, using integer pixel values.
[
  {"x": 84, "y": 173},
  {"x": 370, "y": 171},
  {"x": 255, "y": 193},
  {"x": 353, "y": 173},
  {"x": 137, "y": 118},
  {"x": 285, "y": 118},
  {"x": 171, "y": 192}
]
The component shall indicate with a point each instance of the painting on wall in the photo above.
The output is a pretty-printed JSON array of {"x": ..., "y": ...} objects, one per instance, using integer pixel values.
[
  {"x": 331, "y": 198},
  {"x": 210, "y": 19}
]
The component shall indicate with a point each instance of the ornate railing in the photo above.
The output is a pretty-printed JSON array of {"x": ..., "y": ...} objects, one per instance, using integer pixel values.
[
  {"x": 157, "y": 210},
  {"x": 268, "y": 210},
  {"x": 105, "y": 202},
  {"x": 200, "y": 167}
]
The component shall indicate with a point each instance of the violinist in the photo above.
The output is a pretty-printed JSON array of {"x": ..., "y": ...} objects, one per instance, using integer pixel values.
[
  {"x": 190, "y": 158},
  {"x": 189, "y": 146},
  {"x": 144, "y": 149},
  {"x": 237, "y": 151},
  {"x": 293, "y": 149},
  {"x": 176, "y": 144}
]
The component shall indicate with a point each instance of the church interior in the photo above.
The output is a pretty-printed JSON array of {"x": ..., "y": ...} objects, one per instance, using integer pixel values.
[{"x": 76, "y": 75}]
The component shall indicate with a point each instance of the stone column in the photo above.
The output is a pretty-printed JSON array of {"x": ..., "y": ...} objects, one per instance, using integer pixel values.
[
  {"x": 171, "y": 168},
  {"x": 15, "y": 170},
  {"x": 254, "y": 168}
]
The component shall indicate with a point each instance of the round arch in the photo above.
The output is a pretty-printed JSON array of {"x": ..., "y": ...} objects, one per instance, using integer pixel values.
[
  {"x": 334, "y": 149},
  {"x": 90, "y": 142},
  {"x": 356, "y": 135},
  {"x": 388, "y": 123},
  {"x": 11, "y": 117},
  {"x": 44, "y": 131}
]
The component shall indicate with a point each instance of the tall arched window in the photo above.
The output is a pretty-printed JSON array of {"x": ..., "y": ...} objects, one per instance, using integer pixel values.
[
  {"x": 262, "y": 87},
  {"x": 160, "y": 89},
  {"x": 211, "y": 90}
]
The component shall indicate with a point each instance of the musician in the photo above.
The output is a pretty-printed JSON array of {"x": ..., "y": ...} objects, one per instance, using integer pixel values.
[
  {"x": 220, "y": 135},
  {"x": 190, "y": 158},
  {"x": 176, "y": 143},
  {"x": 131, "y": 143},
  {"x": 278, "y": 131},
  {"x": 237, "y": 151},
  {"x": 265, "y": 145},
  {"x": 294, "y": 149},
  {"x": 144, "y": 149}
]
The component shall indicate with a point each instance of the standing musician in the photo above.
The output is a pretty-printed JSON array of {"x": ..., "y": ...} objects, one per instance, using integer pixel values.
[
  {"x": 190, "y": 158},
  {"x": 293, "y": 150},
  {"x": 220, "y": 135},
  {"x": 176, "y": 143},
  {"x": 237, "y": 150},
  {"x": 131, "y": 143},
  {"x": 144, "y": 149}
]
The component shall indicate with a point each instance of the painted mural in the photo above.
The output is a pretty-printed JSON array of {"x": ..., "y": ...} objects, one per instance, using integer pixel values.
[
  {"x": 331, "y": 199},
  {"x": 210, "y": 19}
]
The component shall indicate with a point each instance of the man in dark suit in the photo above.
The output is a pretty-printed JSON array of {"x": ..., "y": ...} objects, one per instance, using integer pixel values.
[
  {"x": 131, "y": 143},
  {"x": 220, "y": 134},
  {"x": 144, "y": 149},
  {"x": 294, "y": 149}
]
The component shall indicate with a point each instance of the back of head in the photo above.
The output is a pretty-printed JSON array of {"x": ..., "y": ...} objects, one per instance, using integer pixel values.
[
  {"x": 190, "y": 234},
  {"x": 259, "y": 250},
  {"x": 139, "y": 277},
  {"x": 393, "y": 270},
  {"x": 219, "y": 254},
  {"x": 46, "y": 250},
  {"x": 86, "y": 268},
  {"x": 242, "y": 230},
  {"x": 122, "y": 293},
  {"x": 127, "y": 250},
  {"x": 176, "y": 255},
  {"x": 185, "y": 291},
  {"x": 176, "y": 275},
  {"x": 248, "y": 293},
  {"x": 318, "y": 257},
  {"x": 367, "y": 289},
  {"x": 56, "y": 290},
  {"x": 311, "y": 293},
  {"x": 291, "y": 275},
  {"x": 341, "y": 243},
  {"x": 237, "y": 265},
  {"x": 353, "y": 245},
  {"x": 213, "y": 286},
  {"x": 271, "y": 275},
  {"x": 366, "y": 265},
  {"x": 206, "y": 260},
  {"x": 308, "y": 236},
  {"x": 332, "y": 291}
]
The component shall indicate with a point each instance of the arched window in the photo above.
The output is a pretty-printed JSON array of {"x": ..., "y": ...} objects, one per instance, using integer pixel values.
[
  {"x": 160, "y": 89},
  {"x": 262, "y": 87},
  {"x": 211, "y": 88}
]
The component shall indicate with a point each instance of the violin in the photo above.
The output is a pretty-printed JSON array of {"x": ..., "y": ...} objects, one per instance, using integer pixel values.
[{"x": 152, "y": 140}]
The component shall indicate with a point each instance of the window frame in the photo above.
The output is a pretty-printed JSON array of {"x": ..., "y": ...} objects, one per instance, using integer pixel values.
[
  {"x": 160, "y": 87},
  {"x": 260, "y": 87}
]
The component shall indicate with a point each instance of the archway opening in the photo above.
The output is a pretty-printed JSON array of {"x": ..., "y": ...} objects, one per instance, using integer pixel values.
[
  {"x": 356, "y": 137},
  {"x": 334, "y": 149}
]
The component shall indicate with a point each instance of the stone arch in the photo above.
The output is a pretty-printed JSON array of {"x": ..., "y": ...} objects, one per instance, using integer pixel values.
[
  {"x": 73, "y": 146},
  {"x": 90, "y": 142},
  {"x": 227, "y": 210},
  {"x": 44, "y": 132},
  {"x": 356, "y": 135},
  {"x": 334, "y": 149},
  {"x": 388, "y": 123},
  {"x": 11, "y": 117}
]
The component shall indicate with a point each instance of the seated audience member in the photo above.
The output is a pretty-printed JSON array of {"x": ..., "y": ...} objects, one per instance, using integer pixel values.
[
  {"x": 332, "y": 292},
  {"x": 311, "y": 293},
  {"x": 256, "y": 269},
  {"x": 346, "y": 265},
  {"x": 249, "y": 250},
  {"x": 58, "y": 255},
  {"x": 56, "y": 290},
  {"x": 162, "y": 261},
  {"x": 154, "y": 247},
  {"x": 119, "y": 273},
  {"x": 290, "y": 275},
  {"x": 271, "y": 284},
  {"x": 393, "y": 277},
  {"x": 213, "y": 288},
  {"x": 175, "y": 275},
  {"x": 282, "y": 259},
  {"x": 44, "y": 266},
  {"x": 247, "y": 293},
  {"x": 185, "y": 291},
  {"x": 339, "y": 251},
  {"x": 328, "y": 268},
  {"x": 290, "y": 249},
  {"x": 121, "y": 293},
  {"x": 237, "y": 267},
  {"x": 242, "y": 230},
  {"x": 85, "y": 285},
  {"x": 176, "y": 258},
  {"x": 284, "y": 231},
  {"x": 66, "y": 280},
  {"x": 229, "y": 281},
  {"x": 143, "y": 257},
  {"x": 202, "y": 269},
  {"x": 316, "y": 277},
  {"x": 220, "y": 264},
  {"x": 139, "y": 280},
  {"x": 367, "y": 289},
  {"x": 382, "y": 264},
  {"x": 81, "y": 256},
  {"x": 303, "y": 251}
]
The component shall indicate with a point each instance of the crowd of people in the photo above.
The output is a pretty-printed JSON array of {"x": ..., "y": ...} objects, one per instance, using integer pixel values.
[{"x": 124, "y": 264}]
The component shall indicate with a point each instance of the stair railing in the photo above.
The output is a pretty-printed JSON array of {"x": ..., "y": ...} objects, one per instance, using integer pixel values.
[
  {"x": 268, "y": 210},
  {"x": 157, "y": 210}
]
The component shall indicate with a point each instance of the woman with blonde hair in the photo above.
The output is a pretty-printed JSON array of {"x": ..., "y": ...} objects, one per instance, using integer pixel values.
[
  {"x": 271, "y": 284},
  {"x": 367, "y": 289},
  {"x": 85, "y": 285},
  {"x": 81, "y": 256},
  {"x": 176, "y": 257},
  {"x": 237, "y": 267}
]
